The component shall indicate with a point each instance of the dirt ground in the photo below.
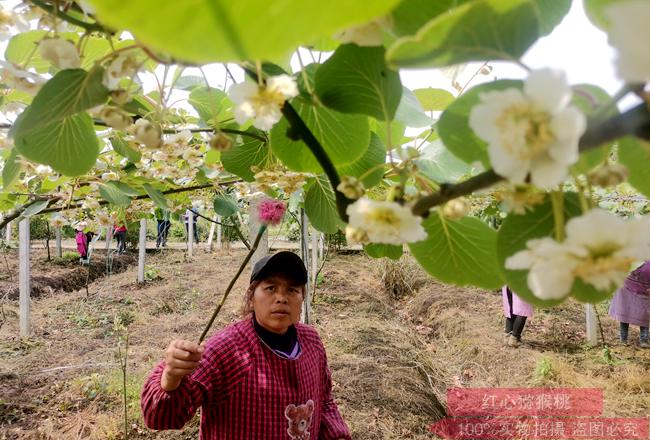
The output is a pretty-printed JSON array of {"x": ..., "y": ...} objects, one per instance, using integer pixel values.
[
  {"x": 392, "y": 358},
  {"x": 64, "y": 274}
]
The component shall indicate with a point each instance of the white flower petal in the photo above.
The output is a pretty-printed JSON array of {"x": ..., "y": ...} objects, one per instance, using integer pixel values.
[
  {"x": 521, "y": 260},
  {"x": 241, "y": 92},
  {"x": 568, "y": 126},
  {"x": 547, "y": 173},
  {"x": 482, "y": 120},
  {"x": 507, "y": 165},
  {"x": 551, "y": 279},
  {"x": 283, "y": 84},
  {"x": 629, "y": 28},
  {"x": 385, "y": 222},
  {"x": 548, "y": 89},
  {"x": 595, "y": 227}
]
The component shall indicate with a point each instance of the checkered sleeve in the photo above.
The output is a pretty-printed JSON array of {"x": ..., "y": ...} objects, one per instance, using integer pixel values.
[
  {"x": 170, "y": 409},
  {"x": 223, "y": 366},
  {"x": 332, "y": 425}
]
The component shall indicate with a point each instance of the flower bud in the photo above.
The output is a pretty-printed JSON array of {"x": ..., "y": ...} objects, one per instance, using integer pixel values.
[
  {"x": 114, "y": 117},
  {"x": 351, "y": 187},
  {"x": 111, "y": 175},
  {"x": 608, "y": 175},
  {"x": 456, "y": 209},
  {"x": 120, "y": 96},
  {"x": 147, "y": 133},
  {"x": 62, "y": 53},
  {"x": 221, "y": 142},
  {"x": 356, "y": 235},
  {"x": 412, "y": 153}
]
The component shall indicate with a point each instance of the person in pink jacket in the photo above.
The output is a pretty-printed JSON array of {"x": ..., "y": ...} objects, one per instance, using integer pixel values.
[
  {"x": 516, "y": 311},
  {"x": 81, "y": 239}
]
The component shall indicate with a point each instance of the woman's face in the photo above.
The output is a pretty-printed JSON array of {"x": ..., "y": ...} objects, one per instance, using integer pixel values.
[{"x": 277, "y": 303}]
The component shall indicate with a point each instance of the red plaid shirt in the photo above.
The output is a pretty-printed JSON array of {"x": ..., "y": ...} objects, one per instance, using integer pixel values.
[{"x": 246, "y": 391}]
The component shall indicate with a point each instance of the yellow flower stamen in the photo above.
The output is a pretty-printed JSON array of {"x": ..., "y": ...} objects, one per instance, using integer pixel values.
[{"x": 530, "y": 123}]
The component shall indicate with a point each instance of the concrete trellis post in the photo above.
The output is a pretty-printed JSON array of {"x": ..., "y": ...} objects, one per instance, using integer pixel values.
[
  {"x": 315, "y": 260},
  {"x": 254, "y": 226},
  {"x": 219, "y": 232},
  {"x": 211, "y": 233},
  {"x": 24, "y": 276},
  {"x": 321, "y": 247},
  {"x": 8, "y": 231},
  {"x": 304, "y": 250},
  {"x": 190, "y": 233},
  {"x": 57, "y": 233},
  {"x": 142, "y": 249},
  {"x": 109, "y": 238},
  {"x": 591, "y": 324}
]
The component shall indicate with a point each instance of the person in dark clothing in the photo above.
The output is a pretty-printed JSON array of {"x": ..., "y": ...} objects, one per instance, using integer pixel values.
[
  {"x": 120, "y": 236},
  {"x": 164, "y": 223}
]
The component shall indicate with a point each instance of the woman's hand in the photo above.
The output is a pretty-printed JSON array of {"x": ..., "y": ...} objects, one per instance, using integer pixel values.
[{"x": 181, "y": 359}]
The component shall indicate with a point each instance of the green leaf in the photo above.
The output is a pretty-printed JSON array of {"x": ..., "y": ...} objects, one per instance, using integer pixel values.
[
  {"x": 551, "y": 13},
  {"x": 225, "y": 205},
  {"x": 34, "y": 208},
  {"x": 596, "y": 12},
  {"x": 324, "y": 44},
  {"x": 212, "y": 156},
  {"x": 461, "y": 252},
  {"x": 589, "y": 98},
  {"x": 517, "y": 230},
  {"x": 113, "y": 194},
  {"x": 356, "y": 80},
  {"x": 382, "y": 129},
  {"x": 201, "y": 31},
  {"x": 344, "y": 137},
  {"x": 122, "y": 147},
  {"x": 95, "y": 48},
  {"x": 411, "y": 15},
  {"x": 434, "y": 99},
  {"x": 126, "y": 189},
  {"x": 635, "y": 155},
  {"x": 377, "y": 250},
  {"x": 67, "y": 93},
  {"x": 20, "y": 47},
  {"x": 320, "y": 206},
  {"x": 440, "y": 165},
  {"x": 410, "y": 111},
  {"x": 482, "y": 30},
  {"x": 454, "y": 129},
  {"x": 209, "y": 103},
  {"x": 10, "y": 171},
  {"x": 189, "y": 82},
  {"x": 305, "y": 79},
  {"x": 139, "y": 106},
  {"x": 68, "y": 145},
  {"x": 240, "y": 158},
  {"x": 370, "y": 165},
  {"x": 156, "y": 196}
]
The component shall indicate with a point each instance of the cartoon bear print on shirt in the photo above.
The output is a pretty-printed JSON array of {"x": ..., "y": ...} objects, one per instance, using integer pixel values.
[{"x": 299, "y": 418}]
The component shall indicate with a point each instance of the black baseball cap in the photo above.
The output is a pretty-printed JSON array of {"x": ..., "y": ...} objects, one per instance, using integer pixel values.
[{"x": 284, "y": 262}]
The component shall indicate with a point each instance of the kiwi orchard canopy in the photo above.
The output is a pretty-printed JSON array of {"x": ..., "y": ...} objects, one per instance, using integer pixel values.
[{"x": 87, "y": 141}]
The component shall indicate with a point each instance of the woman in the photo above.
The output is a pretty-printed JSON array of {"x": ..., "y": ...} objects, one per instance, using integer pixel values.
[
  {"x": 120, "y": 236},
  {"x": 265, "y": 376},
  {"x": 516, "y": 311},
  {"x": 631, "y": 304},
  {"x": 81, "y": 239}
]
